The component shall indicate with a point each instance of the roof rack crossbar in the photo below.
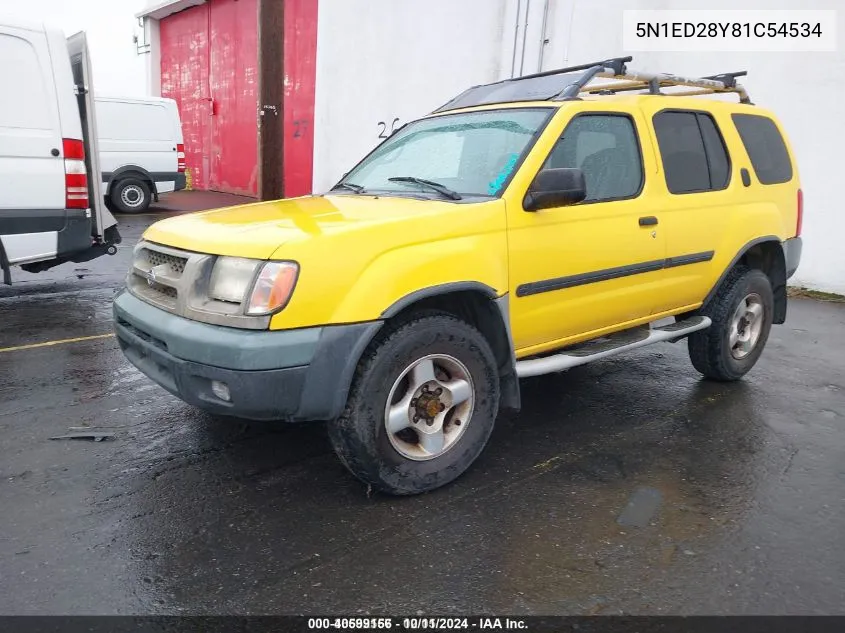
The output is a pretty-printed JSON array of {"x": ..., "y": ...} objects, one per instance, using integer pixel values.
[{"x": 635, "y": 80}]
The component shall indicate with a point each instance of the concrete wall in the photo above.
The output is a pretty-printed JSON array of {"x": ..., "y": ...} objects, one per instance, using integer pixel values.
[
  {"x": 382, "y": 63},
  {"x": 805, "y": 90}
]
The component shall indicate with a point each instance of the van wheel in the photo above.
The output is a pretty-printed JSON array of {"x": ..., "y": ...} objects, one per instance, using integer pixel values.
[
  {"x": 742, "y": 313},
  {"x": 131, "y": 195},
  {"x": 422, "y": 406}
]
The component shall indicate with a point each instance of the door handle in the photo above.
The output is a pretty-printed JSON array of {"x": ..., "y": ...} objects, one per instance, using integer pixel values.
[{"x": 649, "y": 220}]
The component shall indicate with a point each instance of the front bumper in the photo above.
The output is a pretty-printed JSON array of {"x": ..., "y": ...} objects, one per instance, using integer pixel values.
[{"x": 283, "y": 375}]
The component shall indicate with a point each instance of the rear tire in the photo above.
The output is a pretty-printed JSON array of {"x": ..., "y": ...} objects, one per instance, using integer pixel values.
[
  {"x": 131, "y": 195},
  {"x": 422, "y": 406},
  {"x": 742, "y": 312}
]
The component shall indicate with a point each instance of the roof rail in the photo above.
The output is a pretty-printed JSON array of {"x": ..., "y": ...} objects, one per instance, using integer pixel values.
[{"x": 554, "y": 85}]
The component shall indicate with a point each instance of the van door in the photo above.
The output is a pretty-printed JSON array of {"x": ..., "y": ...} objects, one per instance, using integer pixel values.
[
  {"x": 32, "y": 178},
  {"x": 83, "y": 78}
]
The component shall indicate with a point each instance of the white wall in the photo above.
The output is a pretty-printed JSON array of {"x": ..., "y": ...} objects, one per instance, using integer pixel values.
[
  {"x": 379, "y": 60},
  {"x": 382, "y": 59},
  {"x": 805, "y": 90}
]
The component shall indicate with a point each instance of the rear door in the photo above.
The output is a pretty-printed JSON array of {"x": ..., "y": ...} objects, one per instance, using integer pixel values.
[
  {"x": 702, "y": 192},
  {"x": 83, "y": 78},
  {"x": 32, "y": 179}
]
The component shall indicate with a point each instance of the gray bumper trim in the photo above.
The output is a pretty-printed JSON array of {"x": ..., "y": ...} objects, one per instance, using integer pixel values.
[
  {"x": 214, "y": 345},
  {"x": 792, "y": 254},
  {"x": 279, "y": 375}
]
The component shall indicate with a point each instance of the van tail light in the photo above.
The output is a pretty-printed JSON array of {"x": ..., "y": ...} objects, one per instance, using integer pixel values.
[
  {"x": 76, "y": 175},
  {"x": 180, "y": 157},
  {"x": 800, "y": 223}
]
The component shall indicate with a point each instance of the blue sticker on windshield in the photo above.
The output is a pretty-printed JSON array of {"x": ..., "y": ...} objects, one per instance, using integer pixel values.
[{"x": 494, "y": 187}]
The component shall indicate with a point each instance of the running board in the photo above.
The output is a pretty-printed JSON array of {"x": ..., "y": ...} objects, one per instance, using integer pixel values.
[{"x": 611, "y": 346}]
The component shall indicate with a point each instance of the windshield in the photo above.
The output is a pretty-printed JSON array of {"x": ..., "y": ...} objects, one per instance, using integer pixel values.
[{"x": 452, "y": 156}]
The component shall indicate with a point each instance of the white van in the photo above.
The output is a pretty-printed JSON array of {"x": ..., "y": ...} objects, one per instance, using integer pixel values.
[
  {"x": 51, "y": 208},
  {"x": 141, "y": 150}
]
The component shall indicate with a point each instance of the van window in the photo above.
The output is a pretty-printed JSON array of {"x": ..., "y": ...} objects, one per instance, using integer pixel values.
[
  {"x": 765, "y": 148},
  {"x": 693, "y": 152},
  {"x": 25, "y": 103},
  {"x": 121, "y": 121},
  {"x": 606, "y": 149}
]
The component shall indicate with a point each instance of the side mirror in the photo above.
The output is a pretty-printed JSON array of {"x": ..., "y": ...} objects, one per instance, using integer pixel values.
[{"x": 555, "y": 188}]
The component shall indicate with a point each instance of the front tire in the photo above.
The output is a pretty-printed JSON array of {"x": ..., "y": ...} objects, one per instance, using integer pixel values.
[
  {"x": 421, "y": 408},
  {"x": 742, "y": 312},
  {"x": 131, "y": 195}
]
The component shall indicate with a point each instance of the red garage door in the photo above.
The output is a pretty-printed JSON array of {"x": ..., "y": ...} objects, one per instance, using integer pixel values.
[{"x": 209, "y": 65}]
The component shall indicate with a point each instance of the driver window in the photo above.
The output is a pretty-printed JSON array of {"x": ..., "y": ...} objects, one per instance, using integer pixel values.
[{"x": 606, "y": 149}]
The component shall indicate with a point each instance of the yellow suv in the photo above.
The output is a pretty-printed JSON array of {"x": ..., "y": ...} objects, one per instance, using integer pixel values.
[{"x": 524, "y": 228}]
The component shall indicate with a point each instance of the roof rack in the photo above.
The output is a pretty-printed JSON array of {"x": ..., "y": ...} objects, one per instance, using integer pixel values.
[{"x": 567, "y": 83}]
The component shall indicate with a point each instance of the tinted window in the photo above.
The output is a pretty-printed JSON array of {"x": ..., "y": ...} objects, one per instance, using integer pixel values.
[
  {"x": 717, "y": 156},
  {"x": 765, "y": 148},
  {"x": 605, "y": 148},
  {"x": 682, "y": 150}
]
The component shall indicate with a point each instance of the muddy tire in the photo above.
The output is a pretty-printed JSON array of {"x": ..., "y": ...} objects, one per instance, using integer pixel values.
[
  {"x": 742, "y": 312},
  {"x": 131, "y": 195},
  {"x": 421, "y": 408}
]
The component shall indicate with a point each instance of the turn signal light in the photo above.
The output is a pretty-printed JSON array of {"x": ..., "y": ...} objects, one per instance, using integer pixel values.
[{"x": 273, "y": 288}]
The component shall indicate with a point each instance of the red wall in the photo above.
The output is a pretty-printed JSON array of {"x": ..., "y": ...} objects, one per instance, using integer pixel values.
[
  {"x": 209, "y": 65},
  {"x": 184, "y": 77},
  {"x": 300, "y": 60}
]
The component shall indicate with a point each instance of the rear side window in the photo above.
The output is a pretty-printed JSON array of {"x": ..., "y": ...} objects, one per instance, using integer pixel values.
[
  {"x": 765, "y": 148},
  {"x": 693, "y": 152}
]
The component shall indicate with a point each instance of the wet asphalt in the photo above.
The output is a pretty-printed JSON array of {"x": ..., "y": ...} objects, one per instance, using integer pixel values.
[{"x": 627, "y": 486}]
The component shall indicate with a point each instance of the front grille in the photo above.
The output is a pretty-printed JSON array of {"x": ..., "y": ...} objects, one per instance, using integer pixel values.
[
  {"x": 160, "y": 275},
  {"x": 175, "y": 263},
  {"x": 162, "y": 296},
  {"x": 167, "y": 291}
]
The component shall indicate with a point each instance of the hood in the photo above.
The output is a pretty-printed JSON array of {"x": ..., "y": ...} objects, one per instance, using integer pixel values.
[{"x": 258, "y": 230}]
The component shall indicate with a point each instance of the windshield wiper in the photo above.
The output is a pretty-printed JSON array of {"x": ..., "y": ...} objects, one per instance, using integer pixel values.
[
  {"x": 436, "y": 186},
  {"x": 350, "y": 186}
]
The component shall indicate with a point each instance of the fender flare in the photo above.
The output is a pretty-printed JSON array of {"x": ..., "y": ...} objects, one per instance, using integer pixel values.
[
  {"x": 500, "y": 336},
  {"x": 779, "y": 290},
  {"x": 138, "y": 172},
  {"x": 440, "y": 289}
]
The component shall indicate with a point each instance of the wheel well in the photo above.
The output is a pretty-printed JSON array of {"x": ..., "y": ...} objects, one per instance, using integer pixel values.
[
  {"x": 768, "y": 257},
  {"x": 486, "y": 315},
  {"x": 137, "y": 175}
]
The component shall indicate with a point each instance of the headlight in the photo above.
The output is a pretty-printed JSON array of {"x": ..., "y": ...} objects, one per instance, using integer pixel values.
[
  {"x": 273, "y": 288},
  {"x": 231, "y": 278},
  {"x": 262, "y": 287}
]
